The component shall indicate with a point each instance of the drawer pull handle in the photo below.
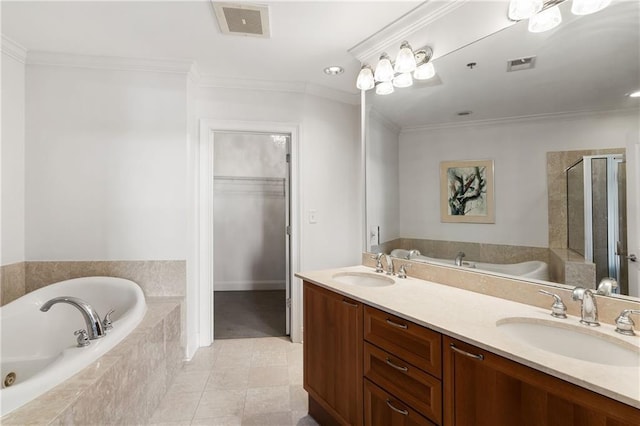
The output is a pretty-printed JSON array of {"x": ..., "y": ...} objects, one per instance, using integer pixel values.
[
  {"x": 395, "y": 324},
  {"x": 397, "y": 367},
  {"x": 479, "y": 357},
  {"x": 397, "y": 410},
  {"x": 355, "y": 305}
]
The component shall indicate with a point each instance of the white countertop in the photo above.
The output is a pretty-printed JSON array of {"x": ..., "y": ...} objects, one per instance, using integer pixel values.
[{"x": 471, "y": 317}]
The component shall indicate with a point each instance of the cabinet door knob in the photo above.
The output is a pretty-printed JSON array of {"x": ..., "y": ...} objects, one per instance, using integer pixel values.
[
  {"x": 397, "y": 410},
  {"x": 465, "y": 353},
  {"x": 395, "y": 324}
]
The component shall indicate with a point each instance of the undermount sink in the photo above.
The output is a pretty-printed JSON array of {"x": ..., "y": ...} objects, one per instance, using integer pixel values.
[
  {"x": 363, "y": 279},
  {"x": 574, "y": 341}
]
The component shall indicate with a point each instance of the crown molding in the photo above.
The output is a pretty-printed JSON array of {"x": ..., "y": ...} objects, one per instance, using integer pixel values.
[
  {"x": 170, "y": 66},
  {"x": 400, "y": 29},
  {"x": 14, "y": 49},
  {"x": 384, "y": 120},
  {"x": 208, "y": 80},
  {"x": 556, "y": 116}
]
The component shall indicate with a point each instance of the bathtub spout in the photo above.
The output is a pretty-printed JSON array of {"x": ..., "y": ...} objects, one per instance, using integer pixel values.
[{"x": 91, "y": 317}]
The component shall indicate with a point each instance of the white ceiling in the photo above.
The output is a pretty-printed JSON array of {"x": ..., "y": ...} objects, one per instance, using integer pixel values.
[
  {"x": 588, "y": 63},
  {"x": 305, "y": 36}
]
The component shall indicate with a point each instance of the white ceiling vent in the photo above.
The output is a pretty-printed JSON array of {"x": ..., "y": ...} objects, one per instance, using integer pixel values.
[
  {"x": 521, "y": 64},
  {"x": 243, "y": 19}
]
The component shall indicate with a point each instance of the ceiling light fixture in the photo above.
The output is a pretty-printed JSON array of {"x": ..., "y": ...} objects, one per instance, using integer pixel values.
[
  {"x": 333, "y": 70},
  {"x": 409, "y": 66},
  {"x": 544, "y": 15},
  {"x": 635, "y": 94}
]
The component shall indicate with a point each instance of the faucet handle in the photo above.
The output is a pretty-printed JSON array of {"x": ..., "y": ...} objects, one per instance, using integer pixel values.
[
  {"x": 402, "y": 272},
  {"x": 83, "y": 338},
  {"x": 558, "y": 309},
  {"x": 106, "y": 321},
  {"x": 378, "y": 259},
  {"x": 624, "y": 324}
]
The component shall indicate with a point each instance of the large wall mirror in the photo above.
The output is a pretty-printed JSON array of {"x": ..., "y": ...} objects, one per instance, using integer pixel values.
[{"x": 558, "y": 134}]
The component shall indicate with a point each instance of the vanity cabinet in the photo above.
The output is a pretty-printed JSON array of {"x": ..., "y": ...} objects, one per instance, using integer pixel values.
[
  {"x": 333, "y": 356},
  {"x": 481, "y": 388}
]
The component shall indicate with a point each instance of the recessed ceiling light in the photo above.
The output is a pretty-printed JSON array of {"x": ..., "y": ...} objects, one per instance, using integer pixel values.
[
  {"x": 333, "y": 70},
  {"x": 635, "y": 94}
]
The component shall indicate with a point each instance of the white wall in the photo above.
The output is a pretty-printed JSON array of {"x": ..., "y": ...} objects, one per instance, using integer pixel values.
[
  {"x": 13, "y": 159},
  {"x": 329, "y": 157},
  {"x": 249, "y": 212},
  {"x": 383, "y": 199},
  {"x": 519, "y": 150},
  {"x": 106, "y": 162}
]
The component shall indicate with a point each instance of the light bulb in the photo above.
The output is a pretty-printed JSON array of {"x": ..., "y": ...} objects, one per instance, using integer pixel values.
[
  {"x": 424, "y": 71},
  {"x": 585, "y": 7},
  {"x": 365, "y": 79},
  {"x": 384, "y": 88},
  {"x": 405, "y": 61},
  {"x": 403, "y": 80},
  {"x": 524, "y": 9},
  {"x": 545, "y": 20},
  {"x": 384, "y": 70},
  {"x": 635, "y": 94}
]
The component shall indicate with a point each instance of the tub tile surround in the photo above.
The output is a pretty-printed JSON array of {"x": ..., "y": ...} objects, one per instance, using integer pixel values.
[
  {"x": 124, "y": 386},
  {"x": 504, "y": 287},
  {"x": 12, "y": 282}
]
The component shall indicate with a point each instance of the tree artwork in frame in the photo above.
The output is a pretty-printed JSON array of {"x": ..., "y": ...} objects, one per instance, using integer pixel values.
[{"x": 466, "y": 191}]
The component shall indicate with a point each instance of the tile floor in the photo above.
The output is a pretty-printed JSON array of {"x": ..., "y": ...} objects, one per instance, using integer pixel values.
[
  {"x": 239, "y": 382},
  {"x": 243, "y": 314}
]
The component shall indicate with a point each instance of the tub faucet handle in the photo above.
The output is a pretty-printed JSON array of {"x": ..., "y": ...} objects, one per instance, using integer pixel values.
[
  {"x": 83, "y": 337},
  {"x": 106, "y": 322}
]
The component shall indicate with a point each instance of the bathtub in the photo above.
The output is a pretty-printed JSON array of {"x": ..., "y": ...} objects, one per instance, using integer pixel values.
[
  {"x": 40, "y": 347},
  {"x": 531, "y": 269}
]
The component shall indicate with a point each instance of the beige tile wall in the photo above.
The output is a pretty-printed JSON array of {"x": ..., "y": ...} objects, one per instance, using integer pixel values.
[{"x": 12, "y": 282}]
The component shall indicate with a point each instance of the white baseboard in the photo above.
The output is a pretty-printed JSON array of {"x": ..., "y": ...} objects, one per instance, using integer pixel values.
[{"x": 248, "y": 285}]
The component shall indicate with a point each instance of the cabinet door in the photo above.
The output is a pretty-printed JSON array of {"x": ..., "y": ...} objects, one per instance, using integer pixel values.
[
  {"x": 481, "y": 388},
  {"x": 382, "y": 409},
  {"x": 333, "y": 353}
]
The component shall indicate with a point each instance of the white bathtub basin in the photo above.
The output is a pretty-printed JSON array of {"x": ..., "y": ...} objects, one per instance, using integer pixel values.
[
  {"x": 530, "y": 269},
  {"x": 573, "y": 341},
  {"x": 363, "y": 279},
  {"x": 40, "y": 347}
]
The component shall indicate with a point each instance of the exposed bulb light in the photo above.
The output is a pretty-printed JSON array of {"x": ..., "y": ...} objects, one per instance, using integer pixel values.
[
  {"x": 635, "y": 94},
  {"x": 403, "y": 80},
  {"x": 545, "y": 20},
  {"x": 586, "y": 7},
  {"x": 524, "y": 9},
  {"x": 365, "y": 78},
  {"x": 384, "y": 88},
  {"x": 424, "y": 71},
  {"x": 384, "y": 69},
  {"x": 405, "y": 61}
]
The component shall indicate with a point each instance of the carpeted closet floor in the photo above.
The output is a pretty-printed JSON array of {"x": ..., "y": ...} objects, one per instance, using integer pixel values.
[{"x": 239, "y": 314}]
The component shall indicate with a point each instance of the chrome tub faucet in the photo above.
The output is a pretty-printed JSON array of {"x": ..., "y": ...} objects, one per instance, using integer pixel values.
[
  {"x": 92, "y": 320},
  {"x": 459, "y": 257}
]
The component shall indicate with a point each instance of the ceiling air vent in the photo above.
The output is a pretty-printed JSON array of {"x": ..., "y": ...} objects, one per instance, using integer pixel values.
[
  {"x": 243, "y": 19},
  {"x": 521, "y": 64}
]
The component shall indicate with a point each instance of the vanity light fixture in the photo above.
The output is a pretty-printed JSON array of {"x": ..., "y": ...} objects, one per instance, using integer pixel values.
[
  {"x": 544, "y": 15},
  {"x": 409, "y": 66}
]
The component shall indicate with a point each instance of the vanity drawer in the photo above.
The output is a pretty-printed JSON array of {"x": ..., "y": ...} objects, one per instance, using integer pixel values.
[
  {"x": 382, "y": 409},
  {"x": 411, "y": 385},
  {"x": 413, "y": 343}
]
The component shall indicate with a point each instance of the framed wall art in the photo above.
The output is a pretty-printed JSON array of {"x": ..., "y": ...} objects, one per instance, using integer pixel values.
[{"x": 466, "y": 191}]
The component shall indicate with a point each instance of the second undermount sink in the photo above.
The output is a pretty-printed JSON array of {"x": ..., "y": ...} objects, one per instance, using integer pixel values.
[
  {"x": 574, "y": 341},
  {"x": 363, "y": 279}
]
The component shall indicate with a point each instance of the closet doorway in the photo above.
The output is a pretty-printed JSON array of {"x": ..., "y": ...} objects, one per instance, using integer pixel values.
[{"x": 251, "y": 225}]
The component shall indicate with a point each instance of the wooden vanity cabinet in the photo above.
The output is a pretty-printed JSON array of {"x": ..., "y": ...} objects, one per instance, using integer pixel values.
[
  {"x": 484, "y": 389},
  {"x": 333, "y": 356}
]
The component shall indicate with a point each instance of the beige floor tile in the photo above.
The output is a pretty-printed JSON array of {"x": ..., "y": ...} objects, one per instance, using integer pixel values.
[
  {"x": 272, "y": 344},
  {"x": 266, "y": 400},
  {"x": 302, "y": 418},
  {"x": 221, "y": 403},
  {"x": 269, "y": 358},
  {"x": 218, "y": 421},
  {"x": 268, "y": 419},
  {"x": 231, "y": 359},
  {"x": 176, "y": 407},
  {"x": 294, "y": 356},
  {"x": 234, "y": 345},
  {"x": 181, "y": 423},
  {"x": 192, "y": 381},
  {"x": 228, "y": 378},
  {"x": 296, "y": 374},
  {"x": 268, "y": 376},
  {"x": 202, "y": 360},
  {"x": 298, "y": 398}
]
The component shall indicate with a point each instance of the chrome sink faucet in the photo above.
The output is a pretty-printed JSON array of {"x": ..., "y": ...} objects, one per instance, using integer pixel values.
[
  {"x": 390, "y": 270},
  {"x": 589, "y": 308},
  {"x": 91, "y": 317},
  {"x": 459, "y": 257}
]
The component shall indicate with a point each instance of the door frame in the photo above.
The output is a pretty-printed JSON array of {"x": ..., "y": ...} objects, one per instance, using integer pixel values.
[{"x": 203, "y": 237}]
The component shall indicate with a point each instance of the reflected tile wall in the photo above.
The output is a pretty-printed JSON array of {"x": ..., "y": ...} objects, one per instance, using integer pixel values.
[{"x": 12, "y": 282}]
